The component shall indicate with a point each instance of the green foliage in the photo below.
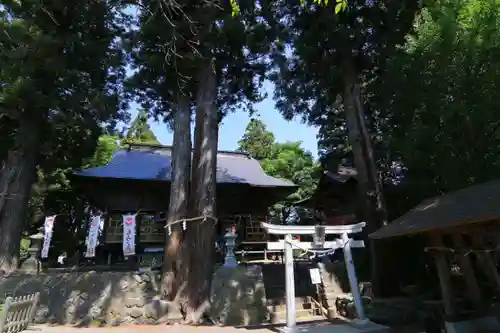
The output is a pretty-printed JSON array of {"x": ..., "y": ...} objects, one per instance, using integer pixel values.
[
  {"x": 285, "y": 160},
  {"x": 25, "y": 245},
  {"x": 339, "y": 5},
  {"x": 61, "y": 69},
  {"x": 140, "y": 131},
  {"x": 168, "y": 54},
  {"x": 257, "y": 140},
  {"x": 106, "y": 145},
  {"x": 328, "y": 49},
  {"x": 62, "y": 58},
  {"x": 288, "y": 160},
  {"x": 438, "y": 101}
]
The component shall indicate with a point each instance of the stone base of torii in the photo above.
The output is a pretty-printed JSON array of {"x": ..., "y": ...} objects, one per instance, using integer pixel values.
[{"x": 361, "y": 323}]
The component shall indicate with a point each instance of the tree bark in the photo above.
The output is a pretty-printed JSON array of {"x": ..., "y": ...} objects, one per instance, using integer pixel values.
[
  {"x": 369, "y": 182},
  {"x": 370, "y": 187},
  {"x": 17, "y": 175},
  {"x": 179, "y": 194},
  {"x": 200, "y": 237}
]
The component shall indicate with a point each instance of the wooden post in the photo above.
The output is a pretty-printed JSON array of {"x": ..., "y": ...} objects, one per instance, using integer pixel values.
[
  {"x": 5, "y": 312},
  {"x": 443, "y": 271},
  {"x": 466, "y": 267},
  {"x": 32, "y": 310},
  {"x": 486, "y": 261}
]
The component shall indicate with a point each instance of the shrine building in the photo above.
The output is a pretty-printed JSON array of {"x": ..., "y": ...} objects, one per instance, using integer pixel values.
[
  {"x": 334, "y": 201},
  {"x": 137, "y": 181}
]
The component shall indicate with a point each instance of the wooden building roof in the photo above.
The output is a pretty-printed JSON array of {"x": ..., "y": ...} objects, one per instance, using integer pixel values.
[
  {"x": 153, "y": 162},
  {"x": 138, "y": 177},
  {"x": 331, "y": 186},
  {"x": 474, "y": 204}
]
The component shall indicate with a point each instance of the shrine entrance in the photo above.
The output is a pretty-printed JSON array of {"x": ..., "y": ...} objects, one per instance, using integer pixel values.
[{"x": 319, "y": 247}]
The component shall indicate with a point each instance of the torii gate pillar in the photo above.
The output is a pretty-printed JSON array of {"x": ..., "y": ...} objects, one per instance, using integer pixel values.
[{"x": 344, "y": 242}]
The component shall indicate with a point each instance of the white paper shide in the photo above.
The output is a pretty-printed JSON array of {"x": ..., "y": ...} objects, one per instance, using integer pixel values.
[
  {"x": 48, "y": 226},
  {"x": 95, "y": 222},
  {"x": 128, "y": 235}
]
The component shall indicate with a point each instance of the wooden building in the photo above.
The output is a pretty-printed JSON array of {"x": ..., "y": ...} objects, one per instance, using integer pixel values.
[
  {"x": 459, "y": 237},
  {"x": 335, "y": 198},
  {"x": 137, "y": 180}
]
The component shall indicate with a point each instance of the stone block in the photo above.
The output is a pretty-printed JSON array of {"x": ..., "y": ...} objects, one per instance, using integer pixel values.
[
  {"x": 238, "y": 296},
  {"x": 136, "y": 312},
  {"x": 157, "y": 309}
]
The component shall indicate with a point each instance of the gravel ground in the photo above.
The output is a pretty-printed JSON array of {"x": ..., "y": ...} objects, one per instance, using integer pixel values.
[
  {"x": 316, "y": 328},
  {"x": 145, "y": 329}
]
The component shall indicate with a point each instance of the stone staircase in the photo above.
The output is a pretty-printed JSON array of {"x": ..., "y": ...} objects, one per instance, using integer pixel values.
[
  {"x": 329, "y": 291},
  {"x": 326, "y": 301},
  {"x": 306, "y": 309},
  {"x": 332, "y": 295}
]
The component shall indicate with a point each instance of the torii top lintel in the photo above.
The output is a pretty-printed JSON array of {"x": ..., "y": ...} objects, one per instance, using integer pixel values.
[{"x": 275, "y": 229}]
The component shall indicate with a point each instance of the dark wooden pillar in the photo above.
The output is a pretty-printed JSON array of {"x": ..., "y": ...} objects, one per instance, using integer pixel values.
[
  {"x": 473, "y": 292},
  {"x": 485, "y": 260},
  {"x": 443, "y": 270}
]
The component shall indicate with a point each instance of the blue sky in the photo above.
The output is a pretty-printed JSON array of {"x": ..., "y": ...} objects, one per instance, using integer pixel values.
[{"x": 233, "y": 127}]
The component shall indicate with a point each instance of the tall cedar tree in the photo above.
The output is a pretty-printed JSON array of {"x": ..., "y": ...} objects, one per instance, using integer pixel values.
[
  {"x": 59, "y": 74},
  {"x": 310, "y": 79},
  {"x": 219, "y": 61},
  {"x": 328, "y": 55}
]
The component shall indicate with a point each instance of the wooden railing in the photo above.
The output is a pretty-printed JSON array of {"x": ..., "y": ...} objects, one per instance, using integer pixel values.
[
  {"x": 18, "y": 313},
  {"x": 147, "y": 234}
]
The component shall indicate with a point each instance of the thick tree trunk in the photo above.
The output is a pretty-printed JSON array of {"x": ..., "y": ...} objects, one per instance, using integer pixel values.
[
  {"x": 369, "y": 182},
  {"x": 179, "y": 194},
  {"x": 200, "y": 240},
  {"x": 17, "y": 175}
]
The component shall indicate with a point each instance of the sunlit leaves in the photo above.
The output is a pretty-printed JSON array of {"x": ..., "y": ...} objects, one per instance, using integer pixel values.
[
  {"x": 235, "y": 8},
  {"x": 285, "y": 160},
  {"x": 340, "y": 5}
]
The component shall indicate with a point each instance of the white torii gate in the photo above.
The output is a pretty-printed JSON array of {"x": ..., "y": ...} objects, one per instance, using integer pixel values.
[{"x": 344, "y": 242}]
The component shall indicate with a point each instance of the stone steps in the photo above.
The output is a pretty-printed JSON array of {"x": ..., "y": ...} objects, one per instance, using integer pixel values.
[
  {"x": 280, "y": 318},
  {"x": 306, "y": 310}
]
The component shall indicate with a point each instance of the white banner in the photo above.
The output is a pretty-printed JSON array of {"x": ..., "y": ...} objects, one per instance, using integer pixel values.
[
  {"x": 128, "y": 235},
  {"x": 95, "y": 223},
  {"x": 48, "y": 226}
]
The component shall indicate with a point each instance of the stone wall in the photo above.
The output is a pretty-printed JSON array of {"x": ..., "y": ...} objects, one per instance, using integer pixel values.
[
  {"x": 238, "y": 295},
  {"x": 115, "y": 298},
  {"x": 84, "y": 298}
]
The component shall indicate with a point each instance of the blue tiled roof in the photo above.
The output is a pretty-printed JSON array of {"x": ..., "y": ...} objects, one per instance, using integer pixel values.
[{"x": 154, "y": 163}]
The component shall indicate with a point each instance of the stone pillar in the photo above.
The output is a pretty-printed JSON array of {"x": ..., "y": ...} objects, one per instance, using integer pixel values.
[
  {"x": 32, "y": 265},
  {"x": 230, "y": 240}
]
